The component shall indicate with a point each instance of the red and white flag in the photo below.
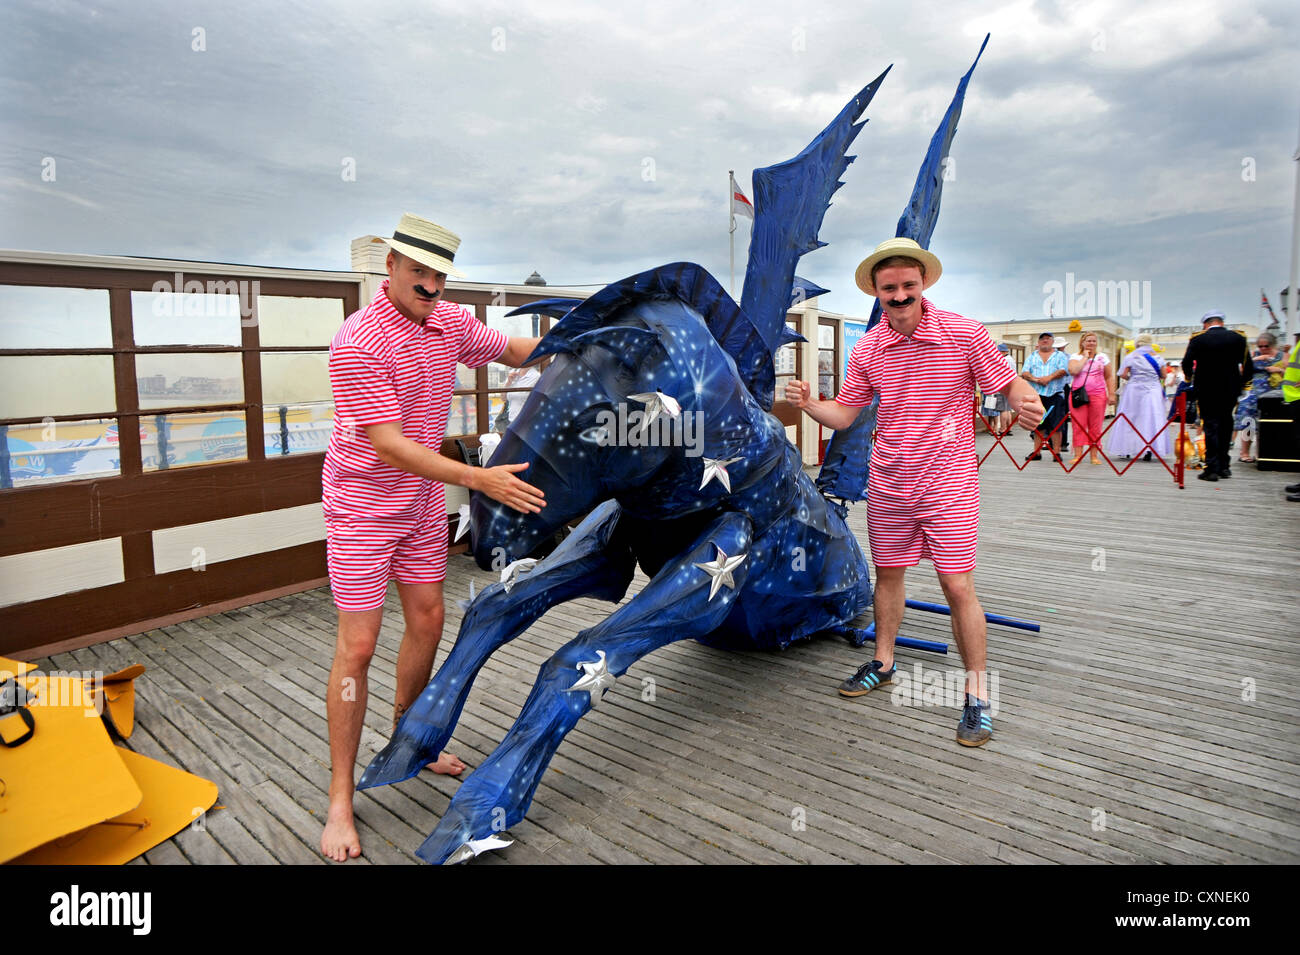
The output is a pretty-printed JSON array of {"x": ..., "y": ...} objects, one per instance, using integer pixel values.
[
  {"x": 740, "y": 205},
  {"x": 1263, "y": 303}
]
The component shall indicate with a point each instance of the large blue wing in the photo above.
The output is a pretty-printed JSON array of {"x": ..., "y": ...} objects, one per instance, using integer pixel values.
[{"x": 790, "y": 201}]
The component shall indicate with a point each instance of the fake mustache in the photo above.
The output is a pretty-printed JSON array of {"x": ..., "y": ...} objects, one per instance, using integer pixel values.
[
  {"x": 902, "y": 304},
  {"x": 425, "y": 292}
]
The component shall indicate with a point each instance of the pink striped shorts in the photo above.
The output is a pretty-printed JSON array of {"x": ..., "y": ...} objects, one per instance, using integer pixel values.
[{"x": 364, "y": 555}]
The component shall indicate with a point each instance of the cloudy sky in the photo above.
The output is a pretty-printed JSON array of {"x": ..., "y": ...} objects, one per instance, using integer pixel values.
[{"x": 1135, "y": 142}]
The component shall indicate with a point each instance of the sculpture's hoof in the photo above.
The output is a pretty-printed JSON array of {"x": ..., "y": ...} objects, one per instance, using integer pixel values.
[
  {"x": 476, "y": 847},
  {"x": 461, "y": 835},
  {"x": 401, "y": 759}
]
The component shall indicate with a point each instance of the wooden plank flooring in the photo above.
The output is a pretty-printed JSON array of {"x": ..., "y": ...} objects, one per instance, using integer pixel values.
[{"x": 1153, "y": 719}]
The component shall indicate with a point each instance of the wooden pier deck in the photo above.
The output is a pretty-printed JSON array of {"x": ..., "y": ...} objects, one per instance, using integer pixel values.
[{"x": 1153, "y": 720}]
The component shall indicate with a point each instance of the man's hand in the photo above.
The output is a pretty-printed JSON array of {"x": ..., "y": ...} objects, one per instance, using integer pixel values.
[
  {"x": 1031, "y": 410},
  {"x": 798, "y": 393},
  {"x": 500, "y": 484}
]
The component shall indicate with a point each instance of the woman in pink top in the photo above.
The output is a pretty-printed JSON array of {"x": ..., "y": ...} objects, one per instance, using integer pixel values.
[{"x": 1091, "y": 370}]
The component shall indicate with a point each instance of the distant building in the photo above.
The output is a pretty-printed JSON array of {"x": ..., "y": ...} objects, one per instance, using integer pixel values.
[
  {"x": 1174, "y": 338},
  {"x": 1111, "y": 332}
]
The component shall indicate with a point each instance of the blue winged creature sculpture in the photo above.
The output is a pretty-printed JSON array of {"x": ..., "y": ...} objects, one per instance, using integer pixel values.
[{"x": 653, "y": 419}]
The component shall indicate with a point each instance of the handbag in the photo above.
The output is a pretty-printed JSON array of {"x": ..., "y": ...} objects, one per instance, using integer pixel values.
[{"x": 1079, "y": 396}]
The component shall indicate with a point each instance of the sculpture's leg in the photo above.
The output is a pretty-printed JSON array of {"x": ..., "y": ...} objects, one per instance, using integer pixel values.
[
  {"x": 684, "y": 600},
  {"x": 593, "y": 561}
]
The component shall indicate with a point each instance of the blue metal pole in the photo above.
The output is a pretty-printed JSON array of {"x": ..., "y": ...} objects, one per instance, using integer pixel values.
[
  {"x": 910, "y": 643},
  {"x": 990, "y": 617}
]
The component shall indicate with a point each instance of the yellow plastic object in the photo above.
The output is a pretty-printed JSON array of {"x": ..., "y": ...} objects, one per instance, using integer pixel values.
[
  {"x": 67, "y": 776},
  {"x": 14, "y": 667},
  {"x": 173, "y": 799},
  {"x": 119, "y": 699}
]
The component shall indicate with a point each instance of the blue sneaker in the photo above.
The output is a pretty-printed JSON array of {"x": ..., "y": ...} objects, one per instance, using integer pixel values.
[
  {"x": 868, "y": 677},
  {"x": 976, "y": 726}
]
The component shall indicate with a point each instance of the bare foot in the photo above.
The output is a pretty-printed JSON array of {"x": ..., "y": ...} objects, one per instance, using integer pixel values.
[
  {"x": 447, "y": 765},
  {"x": 339, "y": 841}
]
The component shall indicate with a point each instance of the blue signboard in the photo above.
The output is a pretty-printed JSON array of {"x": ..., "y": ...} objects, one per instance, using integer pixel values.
[{"x": 852, "y": 332}]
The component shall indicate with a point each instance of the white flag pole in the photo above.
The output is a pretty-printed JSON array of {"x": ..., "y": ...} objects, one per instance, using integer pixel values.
[
  {"x": 1291, "y": 323},
  {"x": 731, "y": 232}
]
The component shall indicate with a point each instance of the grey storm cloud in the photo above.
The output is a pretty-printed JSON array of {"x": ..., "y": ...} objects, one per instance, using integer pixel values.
[{"x": 589, "y": 141}]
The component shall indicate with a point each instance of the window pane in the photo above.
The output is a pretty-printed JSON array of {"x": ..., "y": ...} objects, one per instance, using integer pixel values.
[
  {"x": 174, "y": 379},
  {"x": 522, "y": 326},
  {"x": 306, "y": 426},
  {"x": 289, "y": 320},
  {"x": 826, "y": 373},
  {"x": 187, "y": 318},
  {"x": 825, "y": 337},
  {"x": 289, "y": 377},
  {"x": 186, "y": 439},
  {"x": 37, "y": 385},
  {"x": 60, "y": 451},
  {"x": 466, "y": 378},
  {"x": 497, "y": 421},
  {"x": 463, "y": 418},
  {"x": 786, "y": 356},
  {"x": 501, "y": 376},
  {"x": 39, "y": 317}
]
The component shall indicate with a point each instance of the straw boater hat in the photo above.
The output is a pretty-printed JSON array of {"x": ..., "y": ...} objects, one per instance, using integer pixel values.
[
  {"x": 890, "y": 248},
  {"x": 427, "y": 243}
]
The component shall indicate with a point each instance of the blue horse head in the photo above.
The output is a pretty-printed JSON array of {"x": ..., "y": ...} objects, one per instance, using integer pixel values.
[{"x": 638, "y": 403}]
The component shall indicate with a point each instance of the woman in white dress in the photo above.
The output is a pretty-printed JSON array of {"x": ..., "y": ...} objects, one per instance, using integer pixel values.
[{"x": 1141, "y": 402}]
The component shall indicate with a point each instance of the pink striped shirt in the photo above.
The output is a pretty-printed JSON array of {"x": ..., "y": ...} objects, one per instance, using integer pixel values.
[
  {"x": 925, "y": 434},
  {"x": 384, "y": 367}
]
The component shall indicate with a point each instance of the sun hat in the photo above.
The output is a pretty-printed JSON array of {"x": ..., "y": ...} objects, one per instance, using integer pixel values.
[
  {"x": 428, "y": 243},
  {"x": 890, "y": 248}
]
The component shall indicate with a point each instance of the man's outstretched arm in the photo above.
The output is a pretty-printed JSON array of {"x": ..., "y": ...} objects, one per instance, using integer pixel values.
[
  {"x": 1024, "y": 400},
  {"x": 517, "y": 349},
  {"x": 499, "y": 483},
  {"x": 829, "y": 412}
]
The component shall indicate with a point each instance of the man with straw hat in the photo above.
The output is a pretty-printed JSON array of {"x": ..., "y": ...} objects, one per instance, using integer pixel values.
[
  {"x": 923, "y": 492},
  {"x": 392, "y": 370}
]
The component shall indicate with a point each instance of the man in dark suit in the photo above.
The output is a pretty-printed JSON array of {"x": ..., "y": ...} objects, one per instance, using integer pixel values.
[{"x": 1218, "y": 363}]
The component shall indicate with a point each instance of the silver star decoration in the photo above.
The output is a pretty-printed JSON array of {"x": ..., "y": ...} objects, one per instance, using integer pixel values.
[
  {"x": 596, "y": 678},
  {"x": 476, "y": 847},
  {"x": 462, "y": 523},
  {"x": 511, "y": 573},
  {"x": 464, "y": 605},
  {"x": 657, "y": 403},
  {"x": 720, "y": 569},
  {"x": 714, "y": 468}
]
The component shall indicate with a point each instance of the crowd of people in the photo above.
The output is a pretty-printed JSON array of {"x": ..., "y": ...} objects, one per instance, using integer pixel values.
[{"x": 1078, "y": 389}]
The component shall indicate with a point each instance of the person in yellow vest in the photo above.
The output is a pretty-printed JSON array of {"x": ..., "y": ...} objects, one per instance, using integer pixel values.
[{"x": 1291, "y": 396}]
